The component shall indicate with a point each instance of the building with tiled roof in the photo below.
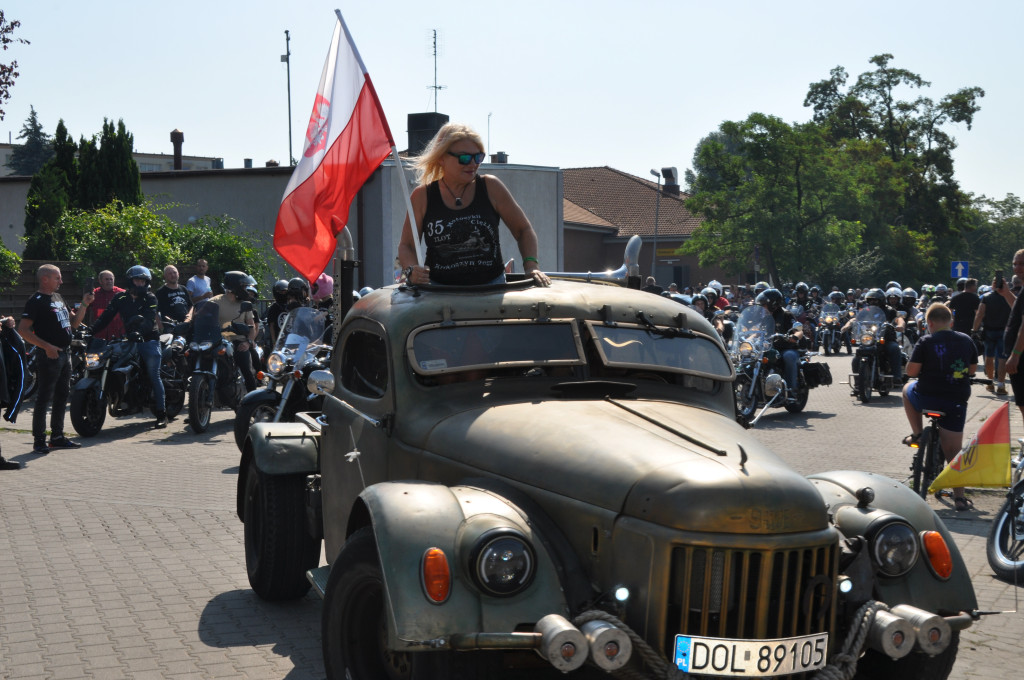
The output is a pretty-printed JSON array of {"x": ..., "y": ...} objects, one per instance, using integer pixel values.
[{"x": 603, "y": 207}]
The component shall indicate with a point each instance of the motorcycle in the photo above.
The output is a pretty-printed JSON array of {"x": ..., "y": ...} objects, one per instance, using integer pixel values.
[
  {"x": 216, "y": 380},
  {"x": 829, "y": 337},
  {"x": 870, "y": 368},
  {"x": 299, "y": 351},
  {"x": 759, "y": 368},
  {"x": 1004, "y": 546},
  {"x": 115, "y": 382}
]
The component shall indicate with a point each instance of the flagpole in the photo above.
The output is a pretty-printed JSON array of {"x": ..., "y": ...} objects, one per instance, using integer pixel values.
[{"x": 408, "y": 205}]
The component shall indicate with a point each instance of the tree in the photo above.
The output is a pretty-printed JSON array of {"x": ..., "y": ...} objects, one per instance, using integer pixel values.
[
  {"x": 107, "y": 170},
  {"x": 48, "y": 198},
  {"x": 28, "y": 158},
  {"x": 10, "y": 268},
  {"x": 8, "y": 72}
]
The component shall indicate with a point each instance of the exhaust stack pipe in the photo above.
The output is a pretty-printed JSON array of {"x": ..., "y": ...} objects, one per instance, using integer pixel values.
[
  {"x": 891, "y": 635},
  {"x": 562, "y": 644},
  {"x": 933, "y": 632},
  {"x": 610, "y": 647}
]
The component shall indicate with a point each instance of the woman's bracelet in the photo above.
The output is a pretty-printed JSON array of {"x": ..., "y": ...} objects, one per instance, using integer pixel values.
[
  {"x": 530, "y": 259},
  {"x": 1017, "y": 352}
]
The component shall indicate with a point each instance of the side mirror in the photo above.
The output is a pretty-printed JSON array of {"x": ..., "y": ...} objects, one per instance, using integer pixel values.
[
  {"x": 320, "y": 382},
  {"x": 246, "y": 306}
]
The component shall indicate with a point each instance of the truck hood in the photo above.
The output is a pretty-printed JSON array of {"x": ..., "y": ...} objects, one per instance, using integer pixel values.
[{"x": 663, "y": 462}]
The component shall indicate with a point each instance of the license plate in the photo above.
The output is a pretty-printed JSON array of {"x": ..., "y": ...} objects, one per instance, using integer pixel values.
[{"x": 750, "y": 658}]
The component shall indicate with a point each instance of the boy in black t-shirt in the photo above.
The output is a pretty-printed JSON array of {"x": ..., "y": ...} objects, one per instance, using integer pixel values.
[
  {"x": 943, "y": 363},
  {"x": 47, "y": 324}
]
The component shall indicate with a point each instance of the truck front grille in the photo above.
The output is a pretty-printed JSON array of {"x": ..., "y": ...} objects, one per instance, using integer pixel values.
[{"x": 751, "y": 594}]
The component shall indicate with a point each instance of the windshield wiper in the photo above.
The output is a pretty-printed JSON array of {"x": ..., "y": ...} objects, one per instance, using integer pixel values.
[{"x": 663, "y": 331}]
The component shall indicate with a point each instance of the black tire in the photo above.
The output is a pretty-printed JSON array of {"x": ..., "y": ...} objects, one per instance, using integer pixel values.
[
  {"x": 864, "y": 382},
  {"x": 200, "y": 403},
  {"x": 174, "y": 401},
  {"x": 353, "y": 627},
  {"x": 1005, "y": 553},
  {"x": 175, "y": 387},
  {"x": 915, "y": 666},
  {"x": 745, "y": 407},
  {"x": 828, "y": 349},
  {"x": 247, "y": 414},
  {"x": 802, "y": 393},
  {"x": 88, "y": 411},
  {"x": 919, "y": 464},
  {"x": 278, "y": 547},
  {"x": 933, "y": 460}
]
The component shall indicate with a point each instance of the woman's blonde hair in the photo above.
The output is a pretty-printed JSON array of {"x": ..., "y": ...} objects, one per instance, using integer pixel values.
[{"x": 428, "y": 163}]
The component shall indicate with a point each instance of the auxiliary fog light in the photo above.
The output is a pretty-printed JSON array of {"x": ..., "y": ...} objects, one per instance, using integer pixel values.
[{"x": 622, "y": 594}]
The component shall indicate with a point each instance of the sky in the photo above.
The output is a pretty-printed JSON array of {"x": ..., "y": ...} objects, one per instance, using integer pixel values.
[{"x": 630, "y": 84}]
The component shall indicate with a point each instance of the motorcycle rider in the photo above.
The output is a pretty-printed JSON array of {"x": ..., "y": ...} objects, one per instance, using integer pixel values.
[
  {"x": 941, "y": 294},
  {"x": 276, "y": 311},
  {"x": 772, "y": 300},
  {"x": 802, "y": 297},
  {"x": 137, "y": 308},
  {"x": 875, "y": 297},
  {"x": 230, "y": 309},
  {"x": 298, "y": 293}
]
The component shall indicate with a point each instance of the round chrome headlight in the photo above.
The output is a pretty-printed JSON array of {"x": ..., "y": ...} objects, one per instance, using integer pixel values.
[
  {"x": 276, "y": 363},
  {"x": 746, "y": 349},
  {"x": 867, "y": 339},
  {"x": 92, "y": 361},
  {"x": 895, "y": 548},
  {"x": 502, "y": 563}
]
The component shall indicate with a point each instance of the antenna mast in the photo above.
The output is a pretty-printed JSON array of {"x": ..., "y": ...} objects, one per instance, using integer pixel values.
[{"x": 435, "y": 87}]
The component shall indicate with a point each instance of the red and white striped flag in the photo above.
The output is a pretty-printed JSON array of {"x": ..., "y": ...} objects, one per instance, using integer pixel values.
[{"x": 346, "y": 140}]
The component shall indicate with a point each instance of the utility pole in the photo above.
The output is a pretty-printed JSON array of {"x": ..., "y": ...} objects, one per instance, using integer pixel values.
[{"x": 286, "y": 58}]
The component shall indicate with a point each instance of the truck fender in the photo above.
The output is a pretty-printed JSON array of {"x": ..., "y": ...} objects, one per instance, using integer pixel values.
[
  {"x": 263, "y": 395},
  {"x": 278, "y": 449},
  {"x": 408, "y": 518},
  {"x": 920, "y": 586}
]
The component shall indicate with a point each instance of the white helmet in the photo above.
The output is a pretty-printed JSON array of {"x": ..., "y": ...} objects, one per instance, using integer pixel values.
[{"x": 716, "y": 285}]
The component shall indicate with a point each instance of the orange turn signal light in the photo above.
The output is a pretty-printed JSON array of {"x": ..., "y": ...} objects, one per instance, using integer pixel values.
[
  {"x": 437, "y": 575},
  {"x": 938, "y": 553},
  {"x": 259, "y": 375}
]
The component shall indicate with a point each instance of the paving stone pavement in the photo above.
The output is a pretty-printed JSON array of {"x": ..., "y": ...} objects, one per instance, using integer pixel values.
[{"x": 124, "y": 559}]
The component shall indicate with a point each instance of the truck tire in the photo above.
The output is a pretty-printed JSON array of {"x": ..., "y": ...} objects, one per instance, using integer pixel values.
[{"x": 278, "y": 547}]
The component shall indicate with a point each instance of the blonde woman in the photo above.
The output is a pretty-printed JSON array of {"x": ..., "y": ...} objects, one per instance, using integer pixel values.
[{"x": 457, "y": 212}]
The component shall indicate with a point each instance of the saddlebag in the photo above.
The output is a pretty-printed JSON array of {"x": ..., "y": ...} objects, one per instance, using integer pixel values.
[{"x": 817, "y": 374}]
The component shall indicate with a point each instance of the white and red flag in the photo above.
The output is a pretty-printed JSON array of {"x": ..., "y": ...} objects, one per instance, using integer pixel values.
[{"x": 346, "y": 140}]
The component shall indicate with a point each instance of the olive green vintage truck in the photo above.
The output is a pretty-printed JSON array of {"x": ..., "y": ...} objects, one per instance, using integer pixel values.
[{"x": 515, "y": 479}]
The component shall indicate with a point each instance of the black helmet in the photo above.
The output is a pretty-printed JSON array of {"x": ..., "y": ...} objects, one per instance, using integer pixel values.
[
  {"x": 699, "y": 297},
  {"x": 875, "y": 296},
  {"x": 893, "y": 284},
  {"x": 815, "y": 289},
  {"x": 910, "y": 295},
  {"x": 280, "y": 291},
  {"x": 235, "y": 282},
  {"x": 837, "y": 297},
  {"x": 942, "y": 289},
  {"x": 139, "y": 272},
  {"x": 801, "y": 288},
  {"x": 298, "y": 287},
  {"x": 770, "y": 298}
]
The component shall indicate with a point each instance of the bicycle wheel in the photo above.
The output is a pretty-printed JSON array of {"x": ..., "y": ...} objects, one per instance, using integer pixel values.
[
  {"x": 918, "y": 466},
  {"x": 934, "y": 461}
]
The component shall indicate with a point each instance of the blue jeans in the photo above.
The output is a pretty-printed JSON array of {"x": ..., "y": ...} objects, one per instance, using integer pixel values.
[
  {"x": 149, "y": 352},
  {"x": 790, "y": 366}
]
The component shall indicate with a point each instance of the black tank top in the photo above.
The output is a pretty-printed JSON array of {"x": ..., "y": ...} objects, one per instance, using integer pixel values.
[{"x": 463, "y": 248}]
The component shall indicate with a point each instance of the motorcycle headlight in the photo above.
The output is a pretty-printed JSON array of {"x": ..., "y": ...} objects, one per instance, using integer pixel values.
[
  {"x": 746, "y": 349},
  {"x": 502, "y": 562},
  {"x": 200, "y": 346},
  {"x": 276, "y": 363},
  {"x": 895, "y": 549},
  {"x": 92, "y": 361},
  {"x": 178, "y": 343},
  {"x": 867, "y": 339}
]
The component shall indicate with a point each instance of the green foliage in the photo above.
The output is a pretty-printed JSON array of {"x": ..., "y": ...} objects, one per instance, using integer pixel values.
[
  {"x": 116, "y": 237},
  {"x": 10, "y": 268},
  {"x": 107, "y": 170},
  {"x": 998, "y": 233},
  {"x": 28, "y": 158},
  {"x": 46, "y": 201},
  {"x": 8, "y": 72},
  {"x": 223, "y": 242}
]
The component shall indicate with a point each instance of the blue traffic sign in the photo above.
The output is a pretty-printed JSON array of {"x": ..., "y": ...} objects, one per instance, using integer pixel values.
[{"x": 958, "y": 269}]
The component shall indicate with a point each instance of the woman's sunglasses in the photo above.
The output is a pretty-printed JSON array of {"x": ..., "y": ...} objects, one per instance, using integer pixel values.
[{"x": 467, "y": 158}]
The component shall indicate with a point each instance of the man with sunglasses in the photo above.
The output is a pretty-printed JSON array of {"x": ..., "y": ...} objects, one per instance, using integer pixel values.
[{"x": 457, "y": 212}]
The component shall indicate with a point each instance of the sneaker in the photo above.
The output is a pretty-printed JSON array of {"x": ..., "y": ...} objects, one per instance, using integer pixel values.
[
  {"x": 41, "y": 448},
  {"x": 63, "y": 442},
  {"x": 1001, "y": 389},
  {"x": 990, "y": 388}
]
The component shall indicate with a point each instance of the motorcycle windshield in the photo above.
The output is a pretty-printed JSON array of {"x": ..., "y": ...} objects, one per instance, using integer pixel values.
[
  {"x": 753, "y": 329},
  {"x": 830, "y": 313},
  {"x": 304, "y": 326},
  {"x": 206, "y": 323},
  {"x": 869, "y": 320}
]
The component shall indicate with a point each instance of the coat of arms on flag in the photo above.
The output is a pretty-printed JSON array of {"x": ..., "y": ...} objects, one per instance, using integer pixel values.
[{"x": 985, "y": 461}]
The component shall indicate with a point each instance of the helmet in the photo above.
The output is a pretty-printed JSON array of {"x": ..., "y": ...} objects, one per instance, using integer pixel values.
[
  {"x": 815, "y": 289},
  {"x": 961, "y": 283},
  {"x": 250, "y": 289},
  {"x": 713, "y": 283},
  {"x": 699, "y": 297},
  {"x": 928, "y": 289},
  {"x": 770, "y": 298},
  {"x": 875, "y": 296},
  {"x": 760, "y": 287},
  {"x": 801, "y": 288},
  {"x": 323, "y": 287},
  {"x": 942, "y": 289},
  {"x": 236, "y": 282},
  {"x": 894, "y": 292},
  {"x": 710, "y": 294},
  {"x": 851, "y": 291},
  {"x": 893, "y": 284},
  {"x": 365, "y": 290},
  {"x": 298, "y": 288},
  {"x": 355, "y": 296},
  {"x": 836, "y": 297},
  {"x": 909, "y": 294},
  {"x": 984, "y": 290},
  {"x": 139, "y": 272},
  {"x": 280, "y": 290}
]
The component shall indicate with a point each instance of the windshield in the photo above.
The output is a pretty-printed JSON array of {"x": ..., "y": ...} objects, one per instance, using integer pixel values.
[
  {"x": 754, "y": 326},
  {"x": 442, "y": 348},
  {"x": 206, "y": 320},
  {"x": 302, "y": 326},
  {"x": 871, "y": 314},
  {"x": 662, "y": 349},
  {"x": 830, "y": 312}
]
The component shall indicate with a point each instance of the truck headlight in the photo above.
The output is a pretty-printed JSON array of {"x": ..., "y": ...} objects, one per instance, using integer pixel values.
[
  {"x": 502, "y": 562},
  {"x": 895, "y": 548},
  {"x": 275, "y": 363}
]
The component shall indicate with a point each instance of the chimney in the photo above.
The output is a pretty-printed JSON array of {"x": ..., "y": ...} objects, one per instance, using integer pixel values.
[
  {"x": 272, "y": 164},
  {"x": 671, "y": 185},
  {"x": 422, "y": 128},
  {"x": 177, "y": 139},
  {"x": 247, "y": 163},
  {"x": 500, "y": 157}
]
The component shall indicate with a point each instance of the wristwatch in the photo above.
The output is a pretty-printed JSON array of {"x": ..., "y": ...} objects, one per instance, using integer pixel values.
[{"x": 407, "y": 272}]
